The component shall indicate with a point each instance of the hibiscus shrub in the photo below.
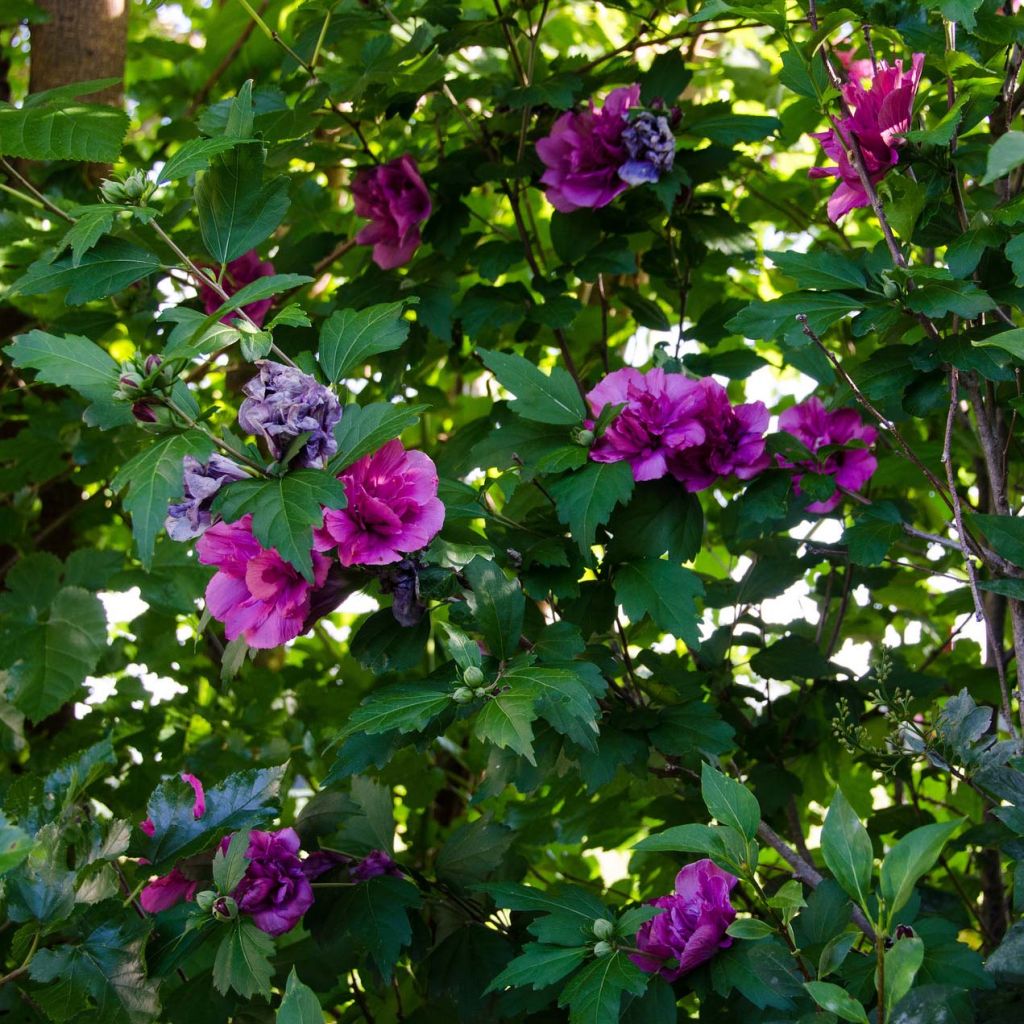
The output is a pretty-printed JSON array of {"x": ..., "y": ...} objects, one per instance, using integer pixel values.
[{"x": 512, "y": 514}]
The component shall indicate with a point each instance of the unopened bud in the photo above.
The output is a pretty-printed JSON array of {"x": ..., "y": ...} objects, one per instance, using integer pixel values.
[
  {"x": 463, "y": 695},
  {"x": 144, "y": 412},
  {"x": 583, "y": 436},
  {"x": 113, "y": 190},
  {"x": 603, "y": 928},
  {"x": 480, "y": 691},
  {"x": 135, "y": 185},
  {"x": 130, "y": 381},
  {"x": 472, "y": 676},
  {"x": 224, "y": 908},
  {"x": 904, "y": 931},
  {"x": 205, "y": 899},
  {"x": 152, "y": 364},
  {"x": 602, "y": 949}
]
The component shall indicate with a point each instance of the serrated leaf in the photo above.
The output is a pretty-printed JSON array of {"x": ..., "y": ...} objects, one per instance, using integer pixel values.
[
  {"x": 375, "y": 913},
  {"x": 57, "y": 127},
  {"x": 284, "y": 509},
  {"x": 15, "y": 845},
  {"x": 539, "y": 966},
  {"x": 365, "y": 428},
  {"x": 349, "y": 337},
  {"x": 563, "y": 698},
  {"x": 498, "y": 605},
  {"x": 539, "y": 397},
  {"x": 819, "y": 269},
  {"x": 69, "y": 361},
  {"x": 194, "y": 155},
  {"x": 472, "y": 851},
  {"x": 242, "y": 963},
  {"x": 729, "y": 801},
  {"x": 262, "y": 288},
  {"x": 585, "y": 499},
  {"x": 594, "y": 994},
  {"x": 229, "y": 868},
  {"x": 299, "y": 1004},
  {"x": 663, "y": 590},
  {"x": 405, "y": 707},
  {"x": 506, "y": 721},
  {"x": 92, "y": 224}
]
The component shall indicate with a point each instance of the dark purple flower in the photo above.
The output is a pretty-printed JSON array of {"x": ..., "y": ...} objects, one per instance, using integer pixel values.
[
  {"x": 202, "y": 480},
  {"x": 394, "y": 199},
  {"x": 282, "y": 403},
  {"x": 375, "y": 864},
  {"x": 402, "y": 582},
  {"x": 816, "y": 428},
  {"x": 275, "y": 890},
  {"x": 691, "y": 928},
  {"x": 584, "y": 152},
  {"x": 144, "y": 412},
  {"x": 651, "y": 147},
  {"x": 238, "y": 273}
]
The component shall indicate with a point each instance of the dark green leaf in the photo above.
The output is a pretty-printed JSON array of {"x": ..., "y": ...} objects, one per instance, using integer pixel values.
[
  {"x": 541, "y": 397},
  {"x": 846, "y": 847},
  {"x": 349, "y": 338},
  {"x": 242, "y": 963},
  {"x": 587, "y": 497},
  {"x": 594, "y": 994},
  {"x": 663, "y": 590},
  {"x": 498, "y": 605},
  {"x": 299, "y": 1004},
  {"x": 729, "y": 801},
  {"x": 55, "y": 127},
  {"x": 365, "y": 428}
]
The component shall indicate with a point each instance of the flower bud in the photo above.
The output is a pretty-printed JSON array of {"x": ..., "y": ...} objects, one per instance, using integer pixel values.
[
  {"x": 113, "y": 190},
  {"x": 205, "y": 899},
  {"x": 144, "y": 412},
  {"x": 602, "y": 949},
  {"x": 463, "y": 695},
  {"x": 904, "y": 931},
  {"x": 603, "y": 928},
  {"x": 130, "y": 381},
  {"x": 152, "y": 364},
  {"x": 224, "y": 908},
  {"x": 135, "y": 185},
  {"x": 472, "y": 676},
  {"x": 890, "y": 289},
  {"x": 480, "y": 691},
  {"x": 583, "y": 436}
]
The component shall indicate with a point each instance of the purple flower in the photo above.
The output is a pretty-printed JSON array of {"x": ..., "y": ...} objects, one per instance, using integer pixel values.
[
  {"x": 373, "y": 865},
  {"x": 733, "y": 441},
  {"x": 691, "y": 928},
  {"x": 394, "y": 199},
  {"x": 202, "y": 480},
  {"x": 651, "y": 147},
  {"x": 402, "y": 582},
  {"x": 238, "y": 273},
  {"x": 816, "y": 428},
  {"x": 880, "y": 116},
  {"x": 282, "y": 403},
  {"x": 275, "y": 890},
  {"x": 392, "y": 509},
  {"x": 584, "y": 152}
]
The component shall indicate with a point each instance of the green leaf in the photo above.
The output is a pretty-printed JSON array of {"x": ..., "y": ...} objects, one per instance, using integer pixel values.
[
  {"x": 349, "y": 337},
  {"x": 819, "y": 269},
  {"x": 69, "y": 361},
  {"x": 540, "y": 397},
  {"x": 1011, "y": 341},
  {"x": 299, "y": 1004},
  {"x": 585, "y": 499},
  {"x": 107, "y": 268},
  {"x": 381, "y": 645},
  {"x": 539, "y": 966},
  {"x": 564, "y": 697},
  {"x": 92, "y": 224},
  {"x": 729, "y": 801},
  {"x": 873, "y": 532},
  {"x": 909, "y": 859},
  {"x": 936, "y": 298},
  {"x": 728, "y": 129},
  {"x": 846, "y": 847},
  {"x": 153, "y": 477},
  {"x": 1014, "y": 250},
  {"x": 498, "y": 605},
  {"x": 749, "y": 928},
  {"x": 659, "y": 519},
  {"x": 230, "y": 867},
  {"x": 665, "y": 79},
  {"x": 681, "y": 839},
  {"x": 691, "y": 731},
  {"x": 194, "y": 155},
  {"x": 55, "y": 127},
  {"x": 506, "y": 721},
  {"x": 836, "y": 1000},
  {"x": 242, "y": 963},
  {"x": 284, "y": 509},
  {"x": 1004, "y": 155},
  {"x": 663, "y": 590},
  {"x": 472, "y": 851},
  {"x": 902, "y": 963},
  {"x": 254, "y": 291},
  {"x": 375, "y": 913},
  {"x": 462, "y": 649},
  {"x": 594, "y": 993},
  {"x": 15, "y": 845},
  {"x": 792, "y": 657},
  {"x": 365, "y": 428},
  {"x": 243, "y": 800},
  {"x": 236, "y": 210},
  {"x": 407, "y": 707},
  {"x": 1005, "y": 534}
]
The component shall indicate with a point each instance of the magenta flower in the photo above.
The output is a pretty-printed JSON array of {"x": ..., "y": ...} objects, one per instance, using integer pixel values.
[
  {"x": 880, "y": 116},
  {"x": 392, "y": 509},
  {"x": 584, "y": 152},
  {"x": 275, "y": 890},
  {"x": 375, "y": 864},
  {"x": 171, "y": 888},
  {"x": 691, "y": 928},
  {"x": 394, "y": 199},
  {"x": 660, "y": 418},
  {"x": 238, "y": 273},
  {"x": 255, "y": 592},
  {"x": 816, "y": 428},
  {"x": 733, "y": 441}
]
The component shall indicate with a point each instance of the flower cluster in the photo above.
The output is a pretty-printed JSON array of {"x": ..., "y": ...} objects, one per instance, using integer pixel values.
[
  {"x": 594, "y": 155},
  {"x": 880, "y": 104},
  {"x": 394, "y": 199}
]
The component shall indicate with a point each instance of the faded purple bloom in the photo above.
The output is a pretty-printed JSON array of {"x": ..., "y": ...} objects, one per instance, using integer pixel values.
[
  {"x": 880, "y": 117},
  {"x": 659, "y": 420},
  {"x": 375, "y": 864},
  {"x": 402, "y": 582},
  {"x": 394, "y": 199},
  {"x": 691, "y": 928},
  {"x": 238, "y": 273},
  {"x": 816, "y": 428},
  {"x": 651, "y": 147},
  {"x": 584, "y": 152},
  {"x": 392, "y": 509},
  {"x": 319, "y": 862},
  {"x": 733, "y": 441},
  {"x": 281, "y": 404},
  {"x": 202, "y": 480},
  {"x": 275, "y": 890}
]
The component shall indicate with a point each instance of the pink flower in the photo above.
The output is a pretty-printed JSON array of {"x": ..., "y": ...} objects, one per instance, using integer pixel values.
[
  {"x": 394, "y": 199},
  {"x": 816, "y": 428},
  {"x": 584, "y": 152},
  {"x": 255, "y": 592},
  {"x": 240, "y": 272},
  {"x": 880, "y": 116},
  {"x": 171, "y": 888},
  {"x": 691, "y": 928},
  {"x": 392, "y": 509}
]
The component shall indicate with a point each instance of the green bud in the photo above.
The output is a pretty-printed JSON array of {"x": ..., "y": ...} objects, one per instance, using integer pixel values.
[
  {"x": 205, "y": 899},
  {"x": 602, "y": 949},
  {"x": 135, "y": 185},
  {"x": 113, "y": 190},
  {"x": 890, "y": 288},
  {"x": 463, "y": 695},
  {"x": 603, "y": 928},
  {"x": 583, "y": 436},
  {"x": 480, "y": 691},
  {"x": 224, "y": 908},
  {"x": 472, "y": 676}
]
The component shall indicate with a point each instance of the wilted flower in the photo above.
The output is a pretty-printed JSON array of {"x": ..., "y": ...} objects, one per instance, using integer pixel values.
[
  {"x": 816, "y": 428},
  {"x": 238, "y": 273},
  {"x": 275, "y": 890},
  {"x": 175, "y": 886},
  {"x": 402, "y": 582},
  {"x": 392, "y": 508},
  {"x": 584, "y": 152},
  {"x": 281, "y": 404},
  {"x": 201, "y": 480},
  {"x": 880, "y": 116},
  {"x": 255, "y": 592},
  {"x": 375, "y": 864},
  {"x": 651, "y": 147},
  {"x": 691, "y": 929},
  {"x": 394, "y": 199}
]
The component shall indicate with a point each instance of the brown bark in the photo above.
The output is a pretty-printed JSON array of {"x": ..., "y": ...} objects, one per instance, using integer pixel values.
[{"x": 84, "y": 40}]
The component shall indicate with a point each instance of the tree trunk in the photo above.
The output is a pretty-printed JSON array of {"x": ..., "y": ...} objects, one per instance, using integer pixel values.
[{"x": 84, "y": 40}]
